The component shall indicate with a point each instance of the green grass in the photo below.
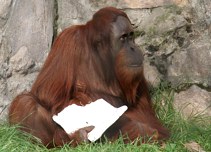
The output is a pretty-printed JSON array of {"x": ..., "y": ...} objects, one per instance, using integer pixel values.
[{"x": 197, "y": 129}]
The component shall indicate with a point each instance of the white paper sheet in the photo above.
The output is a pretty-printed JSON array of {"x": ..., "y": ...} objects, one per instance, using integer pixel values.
[{"x": 99, "y": 114}]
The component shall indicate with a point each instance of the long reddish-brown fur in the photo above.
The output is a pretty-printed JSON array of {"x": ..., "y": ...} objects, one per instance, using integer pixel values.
[{"x": 80, "y": 69}]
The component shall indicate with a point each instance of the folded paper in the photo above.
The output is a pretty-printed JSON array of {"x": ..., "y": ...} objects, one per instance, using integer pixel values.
[{"x": 99, "y": 114}]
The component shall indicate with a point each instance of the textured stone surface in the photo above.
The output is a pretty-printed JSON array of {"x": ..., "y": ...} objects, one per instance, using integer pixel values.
[
  {"x": 151, "y": 74},
  {"x": 5, "y": 6},
  {"x": 192, "y": 102},
  {"x": 136, "y": 4},
  {"x": 26, "y": 35},
  {"x": 30, "y": 25},
  {"x": 21, "y": 61},
  {"x": 193, "y": 64},
  {"x": 72, "y": 13}
]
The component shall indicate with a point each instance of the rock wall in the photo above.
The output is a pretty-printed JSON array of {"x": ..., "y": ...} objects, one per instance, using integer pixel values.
[{"x": 175, "y": 36}]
